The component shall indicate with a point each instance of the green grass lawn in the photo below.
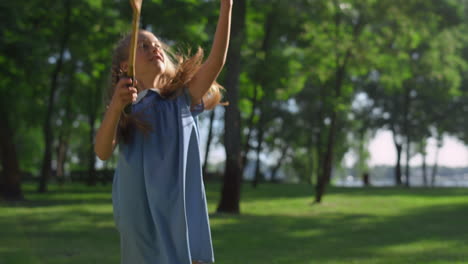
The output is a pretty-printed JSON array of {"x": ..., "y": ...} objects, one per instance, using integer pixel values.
[{"x": 278, "y": 224}]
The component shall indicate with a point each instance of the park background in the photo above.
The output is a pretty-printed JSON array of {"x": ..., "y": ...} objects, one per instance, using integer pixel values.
[{"x": 320, "y": 92}]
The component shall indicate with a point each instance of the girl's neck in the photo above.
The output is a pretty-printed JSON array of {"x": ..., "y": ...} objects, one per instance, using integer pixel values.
[{"x": 148, "y": 83}]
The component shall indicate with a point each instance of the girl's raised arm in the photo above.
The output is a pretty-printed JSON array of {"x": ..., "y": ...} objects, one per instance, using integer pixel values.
[{"x": 213, "y": 65}]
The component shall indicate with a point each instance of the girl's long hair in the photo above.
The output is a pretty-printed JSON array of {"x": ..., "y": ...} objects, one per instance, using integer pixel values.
[{"x": 180, "y": 69}]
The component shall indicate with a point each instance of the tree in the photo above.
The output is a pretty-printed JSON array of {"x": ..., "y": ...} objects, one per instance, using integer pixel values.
[
  {"x": 20, "y": 71},
  {"x": 230, "y": 195},
  {"x": 47, "y": 127},
  {"x": 408, "y": 71}
]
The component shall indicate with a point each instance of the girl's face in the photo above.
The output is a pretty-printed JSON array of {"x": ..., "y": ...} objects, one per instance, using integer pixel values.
[{"x": 150, "y": 60}]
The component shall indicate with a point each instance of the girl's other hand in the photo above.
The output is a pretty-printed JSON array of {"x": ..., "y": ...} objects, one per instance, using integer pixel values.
[{"x": 124, "y": 94}]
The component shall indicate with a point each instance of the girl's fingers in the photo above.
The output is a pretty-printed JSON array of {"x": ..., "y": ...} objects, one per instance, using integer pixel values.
[
  {"x": 128, "y": 99},
  {"x": 133, "y": 90},
  {"x": 128, "y": 91},
  {"x": 125, "y": 82},
  {"x": 128, "y": 82},
  {"x": 128, "y": 85}
]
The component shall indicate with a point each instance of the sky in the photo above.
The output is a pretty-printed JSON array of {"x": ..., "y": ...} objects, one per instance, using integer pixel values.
[
  {"x": 382, "y": 152},
  {"x": 452, "y": 154}
]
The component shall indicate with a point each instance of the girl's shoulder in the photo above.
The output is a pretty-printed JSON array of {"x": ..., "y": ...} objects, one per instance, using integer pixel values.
[
  {"x": 181, "y": 97},
  {"x": 145, "y": 93}
]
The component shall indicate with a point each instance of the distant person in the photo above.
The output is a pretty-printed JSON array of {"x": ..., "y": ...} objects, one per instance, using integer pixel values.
[
  {"x": 158, "y": 195},
  {"x": 365, "y": 179}
]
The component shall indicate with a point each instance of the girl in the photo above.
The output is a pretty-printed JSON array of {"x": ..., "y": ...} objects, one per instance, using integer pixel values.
[{"x": 158, "y": 194}]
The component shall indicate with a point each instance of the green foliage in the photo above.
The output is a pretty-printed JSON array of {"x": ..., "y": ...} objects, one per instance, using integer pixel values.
[{"x": 303, "y": 62}]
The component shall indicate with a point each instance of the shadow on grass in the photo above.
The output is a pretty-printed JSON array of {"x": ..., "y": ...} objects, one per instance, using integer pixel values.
[
  {"x": 73, "y": 194},
  {"x": 268, "y": 191},
  {"x": 56, "y": 202},
  {"x": 61, "y": 236},
  {"x": 343, "y": 237},
  {"x": 67, "y": 188}
]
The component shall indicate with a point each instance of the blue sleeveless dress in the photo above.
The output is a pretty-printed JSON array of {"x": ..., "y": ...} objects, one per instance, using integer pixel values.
[{"x": 158, "y": 194}]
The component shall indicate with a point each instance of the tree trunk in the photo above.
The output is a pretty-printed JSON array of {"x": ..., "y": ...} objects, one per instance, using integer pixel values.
[
  {"x": 10, "y": 177},
  {"x": 408, "y": 157},
  {"x": 279, "y": 163},
  {"x": 92, "y": 115},
  {"x": 436, "y": 161},
  {"x": 208, "y": 143},
  {"x": 319, "y": 142},
  {"x": 398, "y": 180},
  {"x": 47, "y": 128},
  {"x": 340, "y": 74},
  {"x": 362, "y": 166},
  {"x": 64, "y": 136},
  {"x": 257, "y": 174},
  {"x": 330, "y": 151},
  {"x": 266, "y": 49},
  {"x": 61, "y": 157},
  {"x": 246, "y": 148},
  {"x": 399, "y": 147},
  {"x": 230, "y": 194},
  {"x": 92, "y": 177},
  {"x": 406, "y": 113},
  {"x": 310, "y": 179},
  {"x": 424, "y": 169},
  {"x": 324, "y": 177}
]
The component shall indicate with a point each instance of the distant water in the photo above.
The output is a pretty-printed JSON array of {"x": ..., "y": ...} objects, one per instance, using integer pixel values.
[{"x": 416, "y": 181}]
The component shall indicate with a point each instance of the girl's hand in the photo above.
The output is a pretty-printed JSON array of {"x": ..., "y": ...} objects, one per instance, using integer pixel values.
[{"x": 124, "y": 94}]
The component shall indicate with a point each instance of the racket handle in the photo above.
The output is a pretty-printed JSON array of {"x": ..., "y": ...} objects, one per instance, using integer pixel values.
[{"x": 128, "y": 108}]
